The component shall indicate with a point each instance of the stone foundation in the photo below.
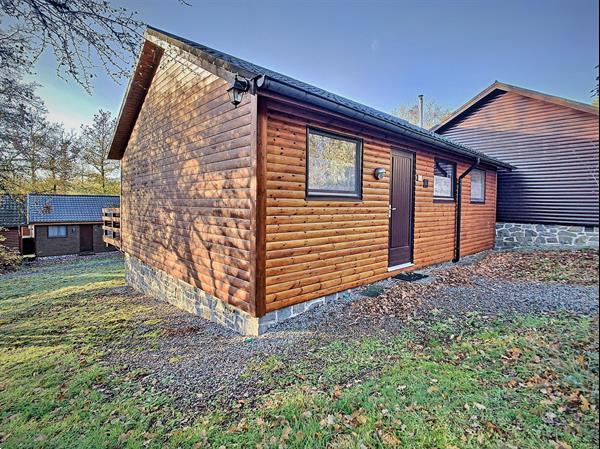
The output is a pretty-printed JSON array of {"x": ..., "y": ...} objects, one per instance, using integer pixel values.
[
  {"x": 522, "y": 235},
  {"x": 158, "y": 284}
]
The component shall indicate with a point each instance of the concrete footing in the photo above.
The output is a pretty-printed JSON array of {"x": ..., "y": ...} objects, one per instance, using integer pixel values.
[{"x": 160, "y": 285}]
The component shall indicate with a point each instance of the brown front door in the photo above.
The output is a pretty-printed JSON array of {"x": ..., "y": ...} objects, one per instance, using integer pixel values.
[
  {"x": 86, "y": 238},
  {"x": 401, "y": 208}
]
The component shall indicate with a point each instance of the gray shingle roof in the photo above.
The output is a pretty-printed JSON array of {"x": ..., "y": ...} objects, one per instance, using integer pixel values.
[
  {"x": 234, "y": 63},
  {"x": 43, "y": 208},
  {"x": 12, "y": 211}
]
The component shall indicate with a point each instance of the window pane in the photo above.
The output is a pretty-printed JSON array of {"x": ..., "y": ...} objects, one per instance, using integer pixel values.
[
  {"x": 57, "y": 231},
  {"x": 477, "y": 185},
  {"x": 443, "y": 180},
  {"x": 332, "y": 165}
]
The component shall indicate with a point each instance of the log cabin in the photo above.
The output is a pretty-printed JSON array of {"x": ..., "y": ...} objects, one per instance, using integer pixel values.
[
  {"x": 249, "y": 197},
  {"x": 551, "y": 198}
]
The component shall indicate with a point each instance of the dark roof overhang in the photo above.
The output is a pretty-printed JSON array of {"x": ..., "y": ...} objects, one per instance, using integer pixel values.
[
  {"x": 227, "y": 67},
  {"x": 137, "y": 89},
  {"x": 498, "y": 87},
  {"x": 412, "y": 133}
]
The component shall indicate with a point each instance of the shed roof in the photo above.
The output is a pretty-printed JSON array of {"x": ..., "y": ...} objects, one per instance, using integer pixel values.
[
  {"x": 42, "y": 208},
  {"x": 227, "y": 66},
  {"x": 12, "y": 211},
  {"x": 496, "y": 87}
]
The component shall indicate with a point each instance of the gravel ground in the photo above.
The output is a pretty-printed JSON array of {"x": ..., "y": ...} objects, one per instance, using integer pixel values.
[{"x": 202, "y": 365}]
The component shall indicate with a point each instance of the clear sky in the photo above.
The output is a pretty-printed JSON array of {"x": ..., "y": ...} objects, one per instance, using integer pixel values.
[{"x": 381, "y": 52}]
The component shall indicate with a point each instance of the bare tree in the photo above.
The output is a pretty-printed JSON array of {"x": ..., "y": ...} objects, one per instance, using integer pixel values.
[
  {"x": 60, "y": 158},
  {"x": 432, "y": 115},
  {"x": 84, "y": 35},
  {"x": 95, "y": 143},
  {"x": 19, "y": 105},
  {"x": 24, "y": 150}
]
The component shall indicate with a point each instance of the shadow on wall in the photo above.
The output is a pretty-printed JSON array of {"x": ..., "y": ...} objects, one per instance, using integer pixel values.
[{"x": 190, "y": 189}]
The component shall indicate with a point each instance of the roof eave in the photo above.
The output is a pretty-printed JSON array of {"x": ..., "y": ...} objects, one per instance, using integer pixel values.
[
  {"x": 498, "y": 86},
  {"x": 139, "y": 83},
  {"x": 276, "y": 86},
  {"x": 227, "y": 70}
]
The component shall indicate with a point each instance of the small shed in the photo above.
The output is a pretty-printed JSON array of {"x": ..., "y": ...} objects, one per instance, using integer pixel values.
[
  {"x": 249, "y": 196},
  {"x": 551, "y": 198},
  {"x": 66, "y": 224}
]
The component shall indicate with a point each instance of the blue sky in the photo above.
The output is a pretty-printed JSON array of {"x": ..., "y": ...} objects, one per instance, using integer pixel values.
[{"x": 380, "y": 52}]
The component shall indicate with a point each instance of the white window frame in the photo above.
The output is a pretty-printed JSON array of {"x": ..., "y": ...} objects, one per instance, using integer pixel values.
[
  {"x": 480, "y": 200},
  {"x": 452, "y": 195},
  {"x": 58, "y": 236}
]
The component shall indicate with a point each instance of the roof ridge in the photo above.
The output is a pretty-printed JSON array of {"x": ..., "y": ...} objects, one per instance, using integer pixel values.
[{"x": 269, "y": 80}]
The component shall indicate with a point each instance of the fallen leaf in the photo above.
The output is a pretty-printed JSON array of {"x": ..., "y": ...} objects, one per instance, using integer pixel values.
[
  {"x": 285, "y": 434},
  {"x": 584, "y": 403}
]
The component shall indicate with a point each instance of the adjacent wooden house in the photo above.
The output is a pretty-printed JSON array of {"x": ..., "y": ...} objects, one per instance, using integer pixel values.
[
  {"x": 59, "y": 225},
  {"x": 551, "y": 198},
  {"x": 249, "y": 196}
]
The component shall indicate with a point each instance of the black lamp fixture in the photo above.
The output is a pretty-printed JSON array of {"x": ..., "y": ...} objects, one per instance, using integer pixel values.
[{"x": 237, "y": 90}]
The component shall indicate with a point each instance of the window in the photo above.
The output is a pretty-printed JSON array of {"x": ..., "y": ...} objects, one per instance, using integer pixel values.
[
  {"x": 443, "y": 180},
  {"x": 478, "y": 186},
  {"x": 334, "y": 165},
  {"x": 57, "y": 231}
]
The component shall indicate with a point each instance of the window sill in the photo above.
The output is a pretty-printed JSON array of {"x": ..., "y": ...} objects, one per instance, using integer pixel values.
[
  {"x": 443, "y": 200},
  {"x": 477, "y": 202},
  {"x": 346, "y": 199}
]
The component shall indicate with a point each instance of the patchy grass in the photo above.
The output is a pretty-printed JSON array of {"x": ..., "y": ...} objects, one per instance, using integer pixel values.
[{"x": 527, "y": 382}]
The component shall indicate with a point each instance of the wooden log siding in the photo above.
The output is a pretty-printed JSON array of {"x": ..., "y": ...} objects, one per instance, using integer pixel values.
[
  {"x": 315, "y": 248},
  {"x": 187, "y": 178}
]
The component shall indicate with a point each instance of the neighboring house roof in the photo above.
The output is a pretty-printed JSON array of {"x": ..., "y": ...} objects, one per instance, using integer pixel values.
[
  {"x": 43, "y": 208},
  {"x": 503, "y": 87},
  {"x": 227, "y": 66},
  {"x": 12, "y": 211}
]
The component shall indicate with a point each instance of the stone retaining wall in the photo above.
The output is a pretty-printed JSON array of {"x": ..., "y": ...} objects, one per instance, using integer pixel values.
[
  {"x": 158, "y": 284},
  {"x": 523, "y": 235}
]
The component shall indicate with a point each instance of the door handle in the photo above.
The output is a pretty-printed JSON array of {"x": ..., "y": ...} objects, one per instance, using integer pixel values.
[{"x": 393, "y": 208}]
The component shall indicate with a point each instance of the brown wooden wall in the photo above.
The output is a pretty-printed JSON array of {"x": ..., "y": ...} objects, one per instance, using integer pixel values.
[
  {"x": 188, "y": 185},
  {"x": 315, "y": 248},
  {"x": 11, "y": 238},
  {"x": 554, "y": 149}
]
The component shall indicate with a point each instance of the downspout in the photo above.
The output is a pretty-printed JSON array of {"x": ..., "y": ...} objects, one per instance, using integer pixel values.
[{"x": 459, "y": 210}]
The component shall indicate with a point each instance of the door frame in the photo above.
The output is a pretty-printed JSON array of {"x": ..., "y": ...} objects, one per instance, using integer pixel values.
[
  {"x": 91, "y": 228},
  {"x": 413, "y": 157}
]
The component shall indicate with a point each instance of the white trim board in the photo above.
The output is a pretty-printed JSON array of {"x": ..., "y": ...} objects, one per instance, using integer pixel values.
[{"x": 399, "y": 267}]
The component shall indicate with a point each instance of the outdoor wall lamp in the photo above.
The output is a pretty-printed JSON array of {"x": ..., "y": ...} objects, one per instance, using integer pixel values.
[
  {"x": 379, "y": 173},
  {"x": 237, "y": 90}
]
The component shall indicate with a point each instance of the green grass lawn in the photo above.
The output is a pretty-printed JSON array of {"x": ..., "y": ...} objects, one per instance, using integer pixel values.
[{"x": 524, "y": 382}]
